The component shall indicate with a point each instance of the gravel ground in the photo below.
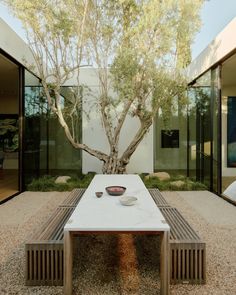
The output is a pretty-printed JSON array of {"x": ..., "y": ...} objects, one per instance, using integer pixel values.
[
  {"x": 120, "y": 264},
  {"x": 218, "y": 230}
]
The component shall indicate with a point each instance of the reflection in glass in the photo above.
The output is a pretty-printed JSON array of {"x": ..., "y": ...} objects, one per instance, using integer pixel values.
[
  {"x": 204, "y": 136},
  {"x": 46, "y": 148},
  {"x": 10, "y": 128},
  {"x": 216, "y": 140},
  {"x": 35, "y": 129},
  {"x": 201, "y": 93},
  {"x": 62, "y": 156},
  {"x": 192, "y": 142},
  {"x": 171, "y": 158}
]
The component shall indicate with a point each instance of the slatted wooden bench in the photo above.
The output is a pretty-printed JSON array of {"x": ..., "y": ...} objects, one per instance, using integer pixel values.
[
  {"x": 44, "y": 253},
  {"x": 73, "y": 198},
  {"x": 158, "y": 198},
  {"x": 187, "y": 251}
]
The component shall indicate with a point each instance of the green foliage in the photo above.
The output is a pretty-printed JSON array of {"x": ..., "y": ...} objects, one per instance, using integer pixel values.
[
  {"x": 43, "y": 184},
  {"x": 139, "y": 49},
  {"x": 165, "y": 185},
  {"x": 153, "y": 47},
  {"x": 47, "y": 183}
]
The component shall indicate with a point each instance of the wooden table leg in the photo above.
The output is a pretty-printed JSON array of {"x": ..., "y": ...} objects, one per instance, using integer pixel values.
[
  {"x": 68, "y": 262},
  {"x": 165, "y": 264}
]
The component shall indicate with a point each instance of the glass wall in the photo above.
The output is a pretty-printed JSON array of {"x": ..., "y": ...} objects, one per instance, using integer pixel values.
[
  {"x": 170, "y": 142},
  {"x": 203, "y": 135},
  {"x": 63, "y": 157},
  {"x": 195, "y": 133},
  {"x": 228, "y": 118},
  {"x": 10, "y": 127},
  {"x": 46, "y": 148},
  {"x": 204, "y": 130},
  {"x": 216, "y": 122},
  {"x": 35, "y": 129},
  {"x": 192, "y": 134}
]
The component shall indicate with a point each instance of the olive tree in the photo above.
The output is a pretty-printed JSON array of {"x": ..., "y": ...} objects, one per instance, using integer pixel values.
[{"x": 138, "y": 47}]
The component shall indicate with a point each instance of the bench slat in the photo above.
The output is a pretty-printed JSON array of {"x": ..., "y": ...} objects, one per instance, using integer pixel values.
[
  {"x": 187, "y": 251},
  {"x": 180, "y": 228},
  {"x": 73, "y": 198},
  {"x": 158, "y": 197},
  {"x": 53, "y": 228},
  {"x": 44, "y": 253}
]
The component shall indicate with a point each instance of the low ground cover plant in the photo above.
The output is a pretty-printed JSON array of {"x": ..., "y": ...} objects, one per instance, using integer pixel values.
[
  {"x": 47, "y": 183},
  {"x": 175, "y": 183}
]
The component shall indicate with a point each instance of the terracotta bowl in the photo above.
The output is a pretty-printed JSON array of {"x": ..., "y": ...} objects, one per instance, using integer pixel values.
[{"x": 115, "y": 190}]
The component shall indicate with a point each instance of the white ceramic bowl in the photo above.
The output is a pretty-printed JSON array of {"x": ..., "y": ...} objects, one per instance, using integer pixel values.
[{"x": 128, "y": 201}]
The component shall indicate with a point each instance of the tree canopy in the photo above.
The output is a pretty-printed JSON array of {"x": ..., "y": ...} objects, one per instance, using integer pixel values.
[{"x": 138, "y": 47}]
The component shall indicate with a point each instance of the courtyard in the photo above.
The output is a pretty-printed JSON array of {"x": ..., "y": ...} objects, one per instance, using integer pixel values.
[{"x": 122, "y": 264}]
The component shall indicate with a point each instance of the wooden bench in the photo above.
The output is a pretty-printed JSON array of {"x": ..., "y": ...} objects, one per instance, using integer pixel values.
[
  {"x": 187, "y": 251},
  {"x": 73, "y": 198},
  {"x": 44, "y": 254},
  {"x": 158, "y": 198}
]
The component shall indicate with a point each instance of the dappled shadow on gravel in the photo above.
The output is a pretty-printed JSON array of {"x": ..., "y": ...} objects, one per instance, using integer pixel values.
[
  {"x": 103, "y": 264},
  {"x": 116, "y": 264}
]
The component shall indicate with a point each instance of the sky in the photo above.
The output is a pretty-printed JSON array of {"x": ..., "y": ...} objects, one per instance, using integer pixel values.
[{"x": 215, "y": 15}]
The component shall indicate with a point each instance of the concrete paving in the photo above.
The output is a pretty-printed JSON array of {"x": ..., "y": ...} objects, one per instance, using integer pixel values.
[
  {"x": 19, "y": 209},
  {"x": 211, "y": 207}
]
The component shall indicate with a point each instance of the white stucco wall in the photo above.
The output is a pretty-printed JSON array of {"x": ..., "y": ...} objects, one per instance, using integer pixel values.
[
  {"x": 222, "y": 45},
  {"x": 226, "y": 91}
]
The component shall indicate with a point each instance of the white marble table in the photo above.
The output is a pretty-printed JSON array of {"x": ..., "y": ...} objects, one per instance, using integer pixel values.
[{"x": 107, "y": 215}]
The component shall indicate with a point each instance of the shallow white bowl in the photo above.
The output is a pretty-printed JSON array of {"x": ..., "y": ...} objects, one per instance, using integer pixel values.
[{"x": 128, "y": 201}]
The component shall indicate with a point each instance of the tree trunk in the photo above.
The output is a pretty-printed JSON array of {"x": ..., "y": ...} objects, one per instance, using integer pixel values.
[{"x": 113, "y": 165}]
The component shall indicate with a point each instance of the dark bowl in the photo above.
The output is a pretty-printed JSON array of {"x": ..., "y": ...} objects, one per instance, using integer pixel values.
[
  {"x": 115, "y": 190},
  {"x": 99, "y": 194}
]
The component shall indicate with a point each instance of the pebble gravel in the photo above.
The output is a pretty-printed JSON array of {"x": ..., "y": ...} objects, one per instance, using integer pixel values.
[{"x": 115, "y": 264}]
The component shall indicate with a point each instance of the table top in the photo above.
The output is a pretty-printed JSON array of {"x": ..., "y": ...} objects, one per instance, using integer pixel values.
[{"x": 107, "y": 214}]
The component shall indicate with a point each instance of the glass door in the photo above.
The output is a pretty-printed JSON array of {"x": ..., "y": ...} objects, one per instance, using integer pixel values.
[
  {"x": 204, "y": 136},
  {"x": 9, "y": 128},
  {"x": 35, "y": 129},
  {"x": 216, "y": 132},
  {"x": 199, "y": 126}
]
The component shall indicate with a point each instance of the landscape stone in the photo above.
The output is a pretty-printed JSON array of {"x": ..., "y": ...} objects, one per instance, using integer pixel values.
[
  {"x": 62, "y": 179},
  {"x": 160, "y": 175},
  {"x": 177, "y": 183}
]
